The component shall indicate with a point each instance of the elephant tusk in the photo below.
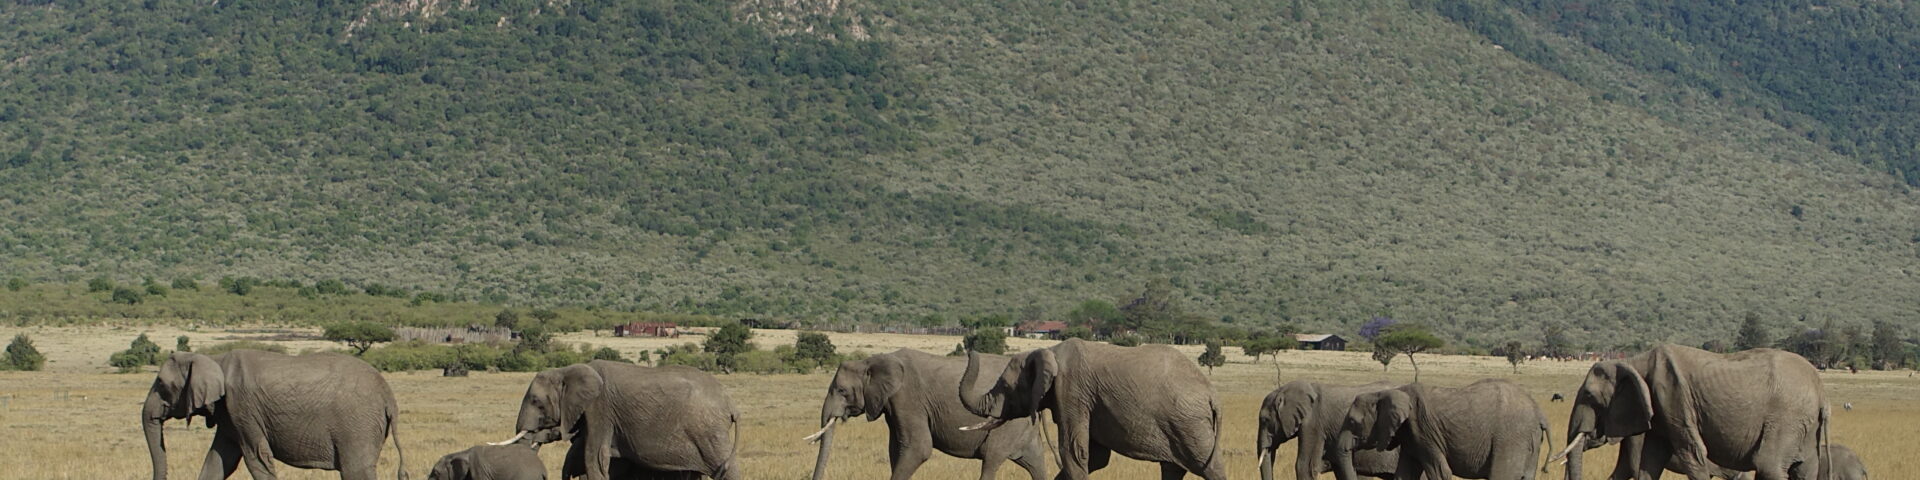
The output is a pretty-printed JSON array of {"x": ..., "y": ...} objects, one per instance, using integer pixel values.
[
  {"x": 990, "y": 424},
  {"x": 815, "y": 437},
  {"x": 1263, "y": 457},
  {"x": 515, "y": 438},
  {"x": 1571, "y": 444}
]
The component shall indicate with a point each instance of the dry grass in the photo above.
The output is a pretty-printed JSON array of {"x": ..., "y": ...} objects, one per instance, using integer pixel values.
[{"x": 77, "y": 421}]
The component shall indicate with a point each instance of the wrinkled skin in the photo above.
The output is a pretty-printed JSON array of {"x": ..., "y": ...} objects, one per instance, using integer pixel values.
[
  {"x": 1845, "y": 465},
  {"x": 490, "y": 462},
  {"x": 1490, "y": 429},
  {"x": 667, "y": 421},
  {"x": 320, "y": 411},
  {"x": 1313, "y": 412},
  {"x": 1696, "y": 412},
  {"x": 1149, "y": 403},
  {"x": 914, "y": 391}
]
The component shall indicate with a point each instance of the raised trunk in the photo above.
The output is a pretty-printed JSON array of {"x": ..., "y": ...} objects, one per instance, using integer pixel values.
[
  {"x": 152, "y": 414},
  {"x": 982, "y": 404},
  {"x": 826, "y": 449}
]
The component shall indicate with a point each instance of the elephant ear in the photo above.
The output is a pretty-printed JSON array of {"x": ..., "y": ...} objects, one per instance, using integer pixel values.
[
  {"x": 885, "y": 374},
  {"x": 460, "y": 465},
  {"x": 1390, "y": 413},
  {"x": 580, "y": 385},
  {"x": 1041, "y": 369},
  {"x": 1630, "y": 408},
  {"x": 206, "y": 383}
]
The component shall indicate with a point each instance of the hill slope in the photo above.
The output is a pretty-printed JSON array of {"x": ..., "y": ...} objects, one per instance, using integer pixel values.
[{"x": 883, "y": 160}]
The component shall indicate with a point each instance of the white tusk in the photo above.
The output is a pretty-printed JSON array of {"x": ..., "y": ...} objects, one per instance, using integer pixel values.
[
  {"x": 1571, "y": 444},
  {"x": 815, "y": 437},
  {"x": 1263, "y": 457},
  {"x": 515, "y": 438},
  {"x": 990, "y": 424}
]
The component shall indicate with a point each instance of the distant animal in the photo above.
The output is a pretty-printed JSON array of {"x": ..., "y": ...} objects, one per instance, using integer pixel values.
[
  {"x": 1489, "y": 429},
  {"x": 1847, "y": 406},
  {"x": 322, "y": 410},
  {"x": 1693, "y": 407},
  {"x": 1313, "y": 412},
  {"x": 490, "y": 462},
  {"x": 1149, "y": 403},
  {"x": 1557, "y": 398},
  {"x": 914, "y": 391},
  {"x": 613, "y": 414}
]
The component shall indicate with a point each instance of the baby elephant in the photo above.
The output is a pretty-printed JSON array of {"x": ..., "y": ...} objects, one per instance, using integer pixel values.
[{"x": 514, "y": 461}]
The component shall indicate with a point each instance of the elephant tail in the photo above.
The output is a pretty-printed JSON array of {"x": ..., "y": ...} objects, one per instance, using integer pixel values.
[
  {"x": 1213, "y": 455},
  {"x": 1824, "y": 444},
  {"x": 393, "y": 432}
]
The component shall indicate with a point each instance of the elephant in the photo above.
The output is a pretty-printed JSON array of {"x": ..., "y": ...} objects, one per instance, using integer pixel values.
[
  {"x": 323, "y": 410},
  {"x": 1760, "y": 410},
  {"x": 490, "y": 462},
  {"x": 1490, "y": 429},
  {"x": 1843, "y": 464},
  {"x": 1313, "y": 413},
  {"x": 671, "y": 421},
  {"x": 1148, "y": 402},
  {"x": 910, "y": 387}
]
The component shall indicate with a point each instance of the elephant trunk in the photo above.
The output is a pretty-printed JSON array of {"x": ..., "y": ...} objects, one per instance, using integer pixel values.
[
  {"x": 1574, "y": 464},
  {"x": 826, "y": 450},
  {"x": 983, "y": 404},
  {"x": 1265, "y": 446},
  {"x": 152, "y": 417},
  {"x": 1343, "y": 457}
]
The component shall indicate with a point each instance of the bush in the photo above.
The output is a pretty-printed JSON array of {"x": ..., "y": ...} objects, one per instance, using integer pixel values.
[
  {"x": 1126, "y": 340},
  {"x": 180, "y": 344},
  {"x": 478, "y": 356},
  {"x": 729, "y": 341},
  {"x": 520, "y": 361},
  {"x": 99, "y": 284},
  {"x": 127, "y": 296},
  {"x": 21, "y": 355},
  {"x": 238, "y": 286},
  {"x": 184, "y": 283},
  {"x": 157, "y": 289},
  {"x": 361, "y": 335},
  {"x": 1082, "y": 333},
  {"x": 411, "y": 355},
  {"x": 507, "y": 319},
  {"x": 688, "y": 355},
  {"x": 534, "y": 339},
  {"x": 15, "y": 284},
  {"x": 330, "y": 287},
  {"x": 608, "y": 353},
  {"x": 986, "y": 340},
  {"x": 1212, "y": 357},
  {"x": 815, "y": 347},
  {"x": 225, "y": 347},
  {"x": 139, "y": 353},
  {"x": 761, "y": 362},
  {"x": 561, "y": 357}
]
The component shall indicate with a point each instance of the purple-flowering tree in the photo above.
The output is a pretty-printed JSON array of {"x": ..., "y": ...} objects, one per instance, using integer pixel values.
[{"x": 1376, "y": 327}]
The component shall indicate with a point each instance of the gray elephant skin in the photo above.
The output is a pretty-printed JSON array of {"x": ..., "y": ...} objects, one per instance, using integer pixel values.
[
  {"x": 1699, "y": 412},
  {"x": 672, "y": 422},
  {"x": 1844, "y": 464},
  {"x": 1490, "y": 429},
  {"x": 321, "y": 411},
  {"x": 914, "y": 391},
  {"x": 1312, "y": 413},
  {"x": 1149, "y": 403},
  {"x": 515, "y": 461}
]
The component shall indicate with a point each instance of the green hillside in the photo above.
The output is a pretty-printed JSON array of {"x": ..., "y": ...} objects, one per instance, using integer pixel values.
[{"x": 887, "y": 160}]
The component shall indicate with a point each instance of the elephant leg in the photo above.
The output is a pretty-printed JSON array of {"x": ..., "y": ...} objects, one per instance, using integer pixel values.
[
  {"x": 223, "y": 458},
  {"x": 989, "y": 468},
  {"x": 259, "y": 457},
  {"x": 906, "y": 457},
  {"x": 598, "y": 453},
  {"x": 1077, "y": 450},
  {"x": 1034, "y": 460},
  {"x": 1172, "y": 471},
  {"x": 1654, "y": 455},
  {"x": 1098, "y": 457}
]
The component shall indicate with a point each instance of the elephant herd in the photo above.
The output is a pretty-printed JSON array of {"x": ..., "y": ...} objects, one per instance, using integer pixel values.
[{"x": 1755, "y": 414}]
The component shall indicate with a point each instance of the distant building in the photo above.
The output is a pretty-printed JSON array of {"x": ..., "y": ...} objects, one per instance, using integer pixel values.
[
  {"x": 647, "y": 329},
  {"x": 1320, "y": 341},
  {"x": 454, "y": 335},
  {"x": 1041, "y": 330}
]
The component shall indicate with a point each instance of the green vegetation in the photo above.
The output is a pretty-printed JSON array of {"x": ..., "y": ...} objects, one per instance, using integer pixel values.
[
  {"x": 728, "y": 342},
  {"x": 22, "y": 356},
  {"x": 1631, "y": 172},
  {"x": 225, "y": 347},
  {"x": 1408, "y": 339},
  {"x": 1212, "y": 357},
  {"x": 1752, "y": 334},
  {"x": 1515, "y": 354},
  {"x": 180, "y": 344},
  {"x": 139, "y": 353}
]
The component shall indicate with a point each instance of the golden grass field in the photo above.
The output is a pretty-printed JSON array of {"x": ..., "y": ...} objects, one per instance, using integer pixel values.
[{"x": 78, "y": 421}]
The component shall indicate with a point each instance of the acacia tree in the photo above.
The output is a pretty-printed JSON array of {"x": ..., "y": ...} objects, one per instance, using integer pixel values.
[
  {"x": 360, "y": 335},
  {"x": 1212, "y": 357},
  {"x": 1408, "y": 339}
]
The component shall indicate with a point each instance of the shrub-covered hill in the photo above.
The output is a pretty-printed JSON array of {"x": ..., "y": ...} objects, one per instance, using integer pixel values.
[{"x": 885, "y": 160}]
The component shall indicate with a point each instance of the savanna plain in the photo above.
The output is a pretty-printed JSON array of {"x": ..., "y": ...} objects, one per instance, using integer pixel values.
[{"x": 78, "y": 421}]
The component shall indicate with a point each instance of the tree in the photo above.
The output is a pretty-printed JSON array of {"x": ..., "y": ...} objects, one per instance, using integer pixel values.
[
  {"x": 1752, "y": 334},
  {"x": 156, "y": 289},
  {"x": 1409, "y": 339},
  {"x": 1888, "y": 349},
  {"x": 1383, "y": 355},
  {"x": 1376, "y": 327},
  {"x": 128, "y": 296},
  {"x": 814, "y": 347},
  {"x": 180, "y": 344},
  {"x": 534, "y": 338},
  {"x": 360, "y": 335},
  {"x": 1514, "y": 355},
  {"x": 985, "y": 340},
  {"x": 728, "y": 342},
  {"x": 507, "y": 319},
  {"x": 330, "y": 287},
  {"x": 1099, "y": 316},
  {"x": 544, "y": 315},
  {"x": 608, "y": 353},
  {"x": 1154, "y": 309},
  {"x": 15, "y": 284},
  {"x": 99, "y": 284},
  {"x": 1554, "y": 342},
  {"x": 22, "y": 356},
  {"x": 186, "y": 283},
  {"x": 1126, "y": 340},
  {"x": 1212, "y": 357},
  {"x": 1076, "y": 331},
  {"x": 139, "y": 353}
]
